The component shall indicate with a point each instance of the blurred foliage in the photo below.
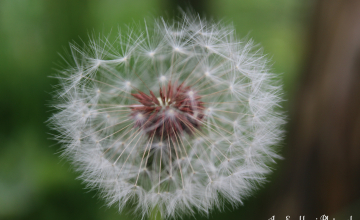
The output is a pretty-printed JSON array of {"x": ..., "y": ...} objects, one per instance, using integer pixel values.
[{"x": 34, "y": 182}]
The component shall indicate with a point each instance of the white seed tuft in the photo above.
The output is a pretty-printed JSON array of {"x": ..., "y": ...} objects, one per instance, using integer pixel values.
[{"x": 219, "y": 142}]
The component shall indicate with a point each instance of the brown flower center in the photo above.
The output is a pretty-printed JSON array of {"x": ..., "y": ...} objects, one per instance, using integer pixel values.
[{"x": 178, "y": 109}]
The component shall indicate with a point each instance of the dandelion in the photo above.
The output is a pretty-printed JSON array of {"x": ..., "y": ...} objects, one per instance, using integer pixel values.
[{"x": 179, "y": 118}]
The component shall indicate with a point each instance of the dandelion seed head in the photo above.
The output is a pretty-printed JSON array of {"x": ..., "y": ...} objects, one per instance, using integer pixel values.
[{"x": 179, "y": 119}]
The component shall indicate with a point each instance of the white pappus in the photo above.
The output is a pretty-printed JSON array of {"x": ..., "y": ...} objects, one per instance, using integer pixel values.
[{"x": 179, "y": 117}]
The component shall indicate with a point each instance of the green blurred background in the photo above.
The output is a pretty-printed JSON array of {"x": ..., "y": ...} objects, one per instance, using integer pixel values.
[{"x": 34, "y": 182}]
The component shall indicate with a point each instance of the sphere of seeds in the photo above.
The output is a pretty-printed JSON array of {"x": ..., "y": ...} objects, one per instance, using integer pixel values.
[{"x": 180, "y": 117}]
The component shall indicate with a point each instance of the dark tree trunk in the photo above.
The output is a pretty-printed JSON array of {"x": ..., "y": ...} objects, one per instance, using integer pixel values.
[{"x": 323, "y": 160}]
